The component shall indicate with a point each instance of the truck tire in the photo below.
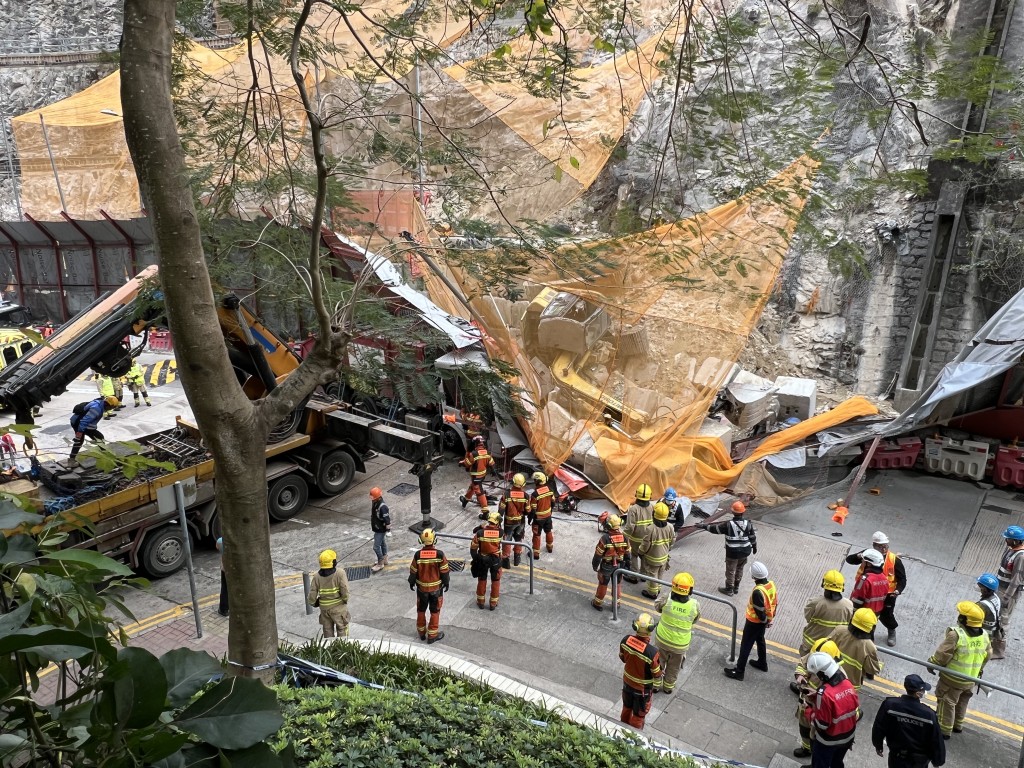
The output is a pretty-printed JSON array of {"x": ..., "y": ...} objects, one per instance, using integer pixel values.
[
  {"x": 163, "y": 551},
  {"x": 337, "y": 469},
  {"x": 287, "y": 497}
]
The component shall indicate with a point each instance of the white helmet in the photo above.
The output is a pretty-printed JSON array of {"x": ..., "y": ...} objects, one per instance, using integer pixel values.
[
  {"x": 872, "y": 557},
  {"x": 879, "y": 538},
  {"x": 822, "y": 664},
  {"x": 759, "y": 570}
]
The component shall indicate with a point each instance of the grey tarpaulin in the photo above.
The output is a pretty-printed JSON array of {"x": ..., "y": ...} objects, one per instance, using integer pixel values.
[{"x": 969, "y": 383}]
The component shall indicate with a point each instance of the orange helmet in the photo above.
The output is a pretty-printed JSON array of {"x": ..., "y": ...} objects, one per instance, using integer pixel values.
[
  {"x": 738, "y": 507},
  {"x": 376, "y": 493}
]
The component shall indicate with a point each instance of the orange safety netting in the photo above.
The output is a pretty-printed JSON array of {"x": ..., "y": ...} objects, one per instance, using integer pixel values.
[{"x": 625, "y": 343}]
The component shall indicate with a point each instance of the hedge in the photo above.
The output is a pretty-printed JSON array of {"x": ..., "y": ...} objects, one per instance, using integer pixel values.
[{"x": 370, "y": 728}]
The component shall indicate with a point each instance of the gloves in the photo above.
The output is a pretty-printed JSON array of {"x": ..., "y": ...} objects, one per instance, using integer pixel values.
[
  {"x": 445, "y": 588},
  {"x": 931, "y": 671},
  {"x": 754, "y": 550},
  {"x": 412, "y": 586}
]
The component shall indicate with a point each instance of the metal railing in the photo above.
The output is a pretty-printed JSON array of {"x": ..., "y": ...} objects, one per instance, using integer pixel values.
[
  {"x": 70, "y": 44},
  {"x": 617, "y": 573},
  {"x": 983, "y": 683},
  {"x": 527, "y": 547}
]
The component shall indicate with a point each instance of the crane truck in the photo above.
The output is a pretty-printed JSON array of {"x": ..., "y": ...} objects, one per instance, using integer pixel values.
[{"x": 132, "y": 515}]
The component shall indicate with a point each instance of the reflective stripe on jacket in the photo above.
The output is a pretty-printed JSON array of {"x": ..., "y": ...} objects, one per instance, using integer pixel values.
[
  {"x": 331, "y": 589},
  {"x": 642, "y": 662},
  {"x": 514, "y": 505},
  {"x": 823, "y": 616},
  {"x": 656, "y": 543},
  {"x": 870, "y": 592},
  {"x": 541, "y": 502},
  {"x": 638, "y": 519},
  {"x": 771, "y": 600},
  {"x": 610, "y": 551},
  {"x": 835, "y": 713},
  {"x": 969, "y": 656},
  {"x": 1008, "y": 565},
  {"x": 888, "y": 568},
  {"x": 428, "y": 569},
  {"x": 675, "y": 630},
  {"x": 486, "y": 540},
  {"x": 993, "y": 607}
]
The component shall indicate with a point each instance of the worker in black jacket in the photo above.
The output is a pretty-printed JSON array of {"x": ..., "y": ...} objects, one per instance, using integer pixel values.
[{"x": 910, "y": 728}]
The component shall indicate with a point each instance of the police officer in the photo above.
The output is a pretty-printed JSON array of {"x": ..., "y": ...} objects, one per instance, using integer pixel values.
[
  {"x": 910, "y": 728},
  {"x": 679, "y": 611},
  {"x": 964, "y": 649},
  {"x": 740, "y": 543},
  {"x": 992, "y": 606}
]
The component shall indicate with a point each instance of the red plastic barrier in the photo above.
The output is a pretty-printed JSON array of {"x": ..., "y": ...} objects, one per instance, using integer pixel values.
[
  {"x": 160, "y": 341},
  {"x": 1009, "y": 466},
  {"x": 896, "y": 454}
]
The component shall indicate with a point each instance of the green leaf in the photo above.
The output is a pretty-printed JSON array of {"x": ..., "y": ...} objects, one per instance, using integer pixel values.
[
  {"x": 10, "y": 745},
  {"x": 557, "y": 175},
  {"x": 91, "y": 559},
  {"x": 17, "y": 549},
  {"x": 140, "y": 690},
  {"x": 11, "y": 516},
  {"x": 160, "y": 745},
  {"x": 54, "y": 644},
  {"x": 14, "y": 620},
  {"x": 35, "y": 336},
  {"x": 235, "y": 714},
  {"x": 186, "y": 672},
  {"x": 574, "y": 162},
  {"x": 256, "y": 756}
]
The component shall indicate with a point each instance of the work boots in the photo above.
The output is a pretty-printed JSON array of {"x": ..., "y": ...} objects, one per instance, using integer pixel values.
[
  {"x": 378, "y": 566},
  {"x": 149, "y": 403},
  {"x": 726, "y": 590},
  {"x": 517, "y": 558},
  {"x": 890, "y": 640},
  {"x": 137, "y": 401},
  {"x": 998, "y": 646},
  {"x": 505, "y": 563}
]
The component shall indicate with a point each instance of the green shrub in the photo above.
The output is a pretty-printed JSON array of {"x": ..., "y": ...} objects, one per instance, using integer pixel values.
[{"x": 369, "y": 728}]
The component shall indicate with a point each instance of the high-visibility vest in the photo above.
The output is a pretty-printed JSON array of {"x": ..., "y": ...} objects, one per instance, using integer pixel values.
[
  {"x": 993, "y": 607},
  {"x": 479, "y": 461},
  {"x": 888, "y": 568},
  {"x": 738, "y": 537},
  {"x": 541, "y": 502},
  {"x": 514, "y": 506},
  {"x": 487, "y": 540},
  {"x": 642, "y": 663},
  {"x": 427, "y": 567},
  {"x": 969, "y": 656},
  {"x": 871, "y": 590},
  {"x": 675, "y": 629},
  {"x": 771, "y": 600},
  {"x": 837, "y": 708},
  {"x": 1007, "y": 564}
]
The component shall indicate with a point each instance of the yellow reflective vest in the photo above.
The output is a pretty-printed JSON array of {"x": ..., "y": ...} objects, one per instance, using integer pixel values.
[{"x": 675, "y": 630}]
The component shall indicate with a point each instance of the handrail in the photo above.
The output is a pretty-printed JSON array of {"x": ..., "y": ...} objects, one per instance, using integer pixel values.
[
  {"x": 984, "y": 683},
  {"x": 527, "y": 547},
  {"x": 735, "y": 614}
]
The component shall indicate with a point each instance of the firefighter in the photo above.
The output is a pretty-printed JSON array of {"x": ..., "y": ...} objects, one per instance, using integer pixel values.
[
  {"x": 990, "y": 603},
  {"x": 514, "y": 506},
  {"x": 542, "y": 501},
  {"x": 84, "y": 419},
  {"x": 896, "y": 577},
  {"x": 740, "y": 543},
  {"x": 380, "y": 525},
  {"x": 137, "y": 383},
  {"x": 860, "y": 656},
  {"x": 806, "y": 686},
  {"x": 639, "y": 518},
  {"x": 965, "y": 649},
  {"x": 485, "y": 550},
  {"x": 1011, "y": 570},
  {"x": 110, "y": 387},
  {"x": 872, "y": 586},
  {"x": 328, "y": 591},
  {"x": 642, "y": 668},
  {"x": 679, "y": 612},
  {"x": 477, "y": 462},
  {"x": 678, "y": 508},
  {"x": 654, "y": 550},
  {"x": 611, "y": 552},
  {"x": 428, "y": 575},
  {"x": 910, "y": 728},
  {"x": 826, "y": 611},
  {"x": 833, "y": 714},
  {"x": 761, "y": 609}
]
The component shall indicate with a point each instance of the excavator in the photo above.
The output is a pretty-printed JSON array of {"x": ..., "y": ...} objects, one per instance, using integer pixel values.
[{"x": 133, "y": 515}]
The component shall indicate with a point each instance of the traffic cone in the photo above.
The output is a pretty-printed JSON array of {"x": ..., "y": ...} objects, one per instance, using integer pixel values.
[{"x": 840, "y": 515}]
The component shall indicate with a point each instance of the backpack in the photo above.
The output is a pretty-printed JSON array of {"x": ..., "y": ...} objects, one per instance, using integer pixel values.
[{"x": 82, "y": 408}]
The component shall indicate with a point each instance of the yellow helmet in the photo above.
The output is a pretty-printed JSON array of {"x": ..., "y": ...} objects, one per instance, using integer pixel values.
[
  {"x": 112, "y": 401},
  {"x": 328, "y": 558},
  {"x": 661, "y": 511},
  {"x": 865, "y": 619},
  {"x": 614, "y": 521},
  {"x": 540, "y": 478},
  {"x": 827, "y": 646},
  {"x": 643, "y": 492},
  {"x": 682, "y": 583},
  {"x": 833, "y": 581},
  {"x": 644, "y": 624},
  {"x": 493, "y": 518},
  {"x": 518, "y": 479},
  {"x": 428, "y": 537},
  {"x": 972, "y": 612}
]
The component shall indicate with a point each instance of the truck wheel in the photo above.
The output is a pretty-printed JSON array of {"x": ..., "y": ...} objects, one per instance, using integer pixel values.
[
  {"x": 452, "y": 441},
  {"x": 163, "y": 552},
  {"x": 336, "y": 472},
  {"x": 287, "y": 497}
]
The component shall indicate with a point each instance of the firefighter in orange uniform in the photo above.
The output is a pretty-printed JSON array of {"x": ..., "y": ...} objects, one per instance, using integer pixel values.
[
  {"x": 514, "y": 507},
  {"x": 642, "y": 668},
  {"x": 541, "y": 502},
  {"x": 612, "y": 551},
  {"x": 477, "y": 462},
  {"x": 428, "y": 575},
  {"x": 485, "y": 550}
]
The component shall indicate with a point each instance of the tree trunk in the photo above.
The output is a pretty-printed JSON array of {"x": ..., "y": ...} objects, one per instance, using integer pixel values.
[{"x": 235, "y": 428}]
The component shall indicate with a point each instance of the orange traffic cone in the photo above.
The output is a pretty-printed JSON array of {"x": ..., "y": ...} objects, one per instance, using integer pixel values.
[{"x": 840, "y": 515}]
